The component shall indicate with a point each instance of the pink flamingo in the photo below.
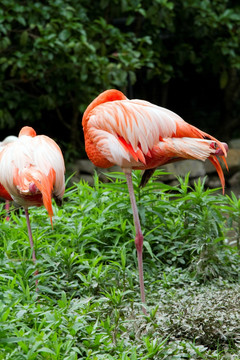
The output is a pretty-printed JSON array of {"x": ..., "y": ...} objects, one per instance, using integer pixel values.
[
  {"x": 32, "y": 172},
  {"x": 136, "y": 134}
]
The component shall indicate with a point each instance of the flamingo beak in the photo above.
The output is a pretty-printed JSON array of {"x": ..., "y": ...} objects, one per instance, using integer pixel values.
[{"x": 219, "y": 152}]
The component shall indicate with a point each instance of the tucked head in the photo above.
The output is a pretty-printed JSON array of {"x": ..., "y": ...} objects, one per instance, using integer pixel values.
[{"x": 219, "y": 151}]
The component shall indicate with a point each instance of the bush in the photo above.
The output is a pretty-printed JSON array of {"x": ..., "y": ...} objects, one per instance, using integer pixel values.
[{"x": 57, "y": 56}]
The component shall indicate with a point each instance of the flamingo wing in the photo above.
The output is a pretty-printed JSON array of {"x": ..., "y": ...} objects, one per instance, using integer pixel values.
[
  {"x": 47, "y": 156},
  {"x": 126, "y": 131}
]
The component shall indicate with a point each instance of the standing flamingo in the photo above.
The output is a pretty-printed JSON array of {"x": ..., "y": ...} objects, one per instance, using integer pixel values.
[
  {"x": 32, "y": 172},
  {"x": 3, "y": 193},
  {"x": 136, "y": 134}
]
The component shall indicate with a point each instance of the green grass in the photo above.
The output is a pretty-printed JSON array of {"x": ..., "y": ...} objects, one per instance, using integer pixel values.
[{"x": 88, "y": 305}]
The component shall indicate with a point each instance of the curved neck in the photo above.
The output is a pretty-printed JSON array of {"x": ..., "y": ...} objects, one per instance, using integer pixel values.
[{"x": 106, "y": 96}]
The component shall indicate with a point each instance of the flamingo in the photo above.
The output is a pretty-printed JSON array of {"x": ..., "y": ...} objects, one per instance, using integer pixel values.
[
  {"x": 3, "y": 192},
  {"x": 32, "y": 172},
  {"x": 136, "y": 134}
]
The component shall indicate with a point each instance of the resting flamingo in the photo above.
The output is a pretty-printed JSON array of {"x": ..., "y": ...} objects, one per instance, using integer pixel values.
[
  {"x": 136, "y": 134},
  {"x": 32, "y": 172}
]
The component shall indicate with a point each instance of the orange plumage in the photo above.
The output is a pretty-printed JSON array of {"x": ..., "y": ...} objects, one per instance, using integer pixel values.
[
  {"x": 32, "y": 172},
  {"x": 4, "y": 194},
  {"x": 136, "y": 134}
]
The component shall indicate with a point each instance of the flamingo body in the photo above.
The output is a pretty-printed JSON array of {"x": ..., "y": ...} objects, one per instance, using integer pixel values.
[
  {"x": 136, "y": 134},
  {"x": 32, "y": 170}
]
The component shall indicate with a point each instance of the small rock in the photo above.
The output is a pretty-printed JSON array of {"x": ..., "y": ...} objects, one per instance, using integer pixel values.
[
  {"x": 195, "y": 167},
  {"x": 235, "y": 179},
  {"x": 234, "y": 144},
  {"x": 85, "y": 166},
  {"x": 87, "y": 178},
  {"x": 233, "y": 159},
  {"x": 213, "y": 182}
]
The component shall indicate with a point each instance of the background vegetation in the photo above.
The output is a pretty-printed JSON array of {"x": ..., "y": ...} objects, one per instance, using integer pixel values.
[
  {"x": 56, "y": 56},
  {"x": 87, "y": 303}
]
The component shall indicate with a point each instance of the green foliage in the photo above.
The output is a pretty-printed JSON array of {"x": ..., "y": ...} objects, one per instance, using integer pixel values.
[
  {"x": 209, "y": 314},
  {"x": 87, "y": 305},
  {"x": 57, "y": 56},
  {"x": 233, "y": 207}
]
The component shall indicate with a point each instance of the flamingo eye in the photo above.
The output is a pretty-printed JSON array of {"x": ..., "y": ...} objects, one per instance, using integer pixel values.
[{"x": 214, "y": 145}]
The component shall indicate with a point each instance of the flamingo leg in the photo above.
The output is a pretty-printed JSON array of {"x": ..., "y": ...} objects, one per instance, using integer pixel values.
[
  {"x": 138, "y": 237},
  {"x": 7, "y": 208},
  {"x": 31, "y": 241},
  {"x": 30, "y": 235}
]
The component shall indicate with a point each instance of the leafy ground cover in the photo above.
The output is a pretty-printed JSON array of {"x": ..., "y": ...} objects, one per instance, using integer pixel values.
[{"x": 87, "y": 305}]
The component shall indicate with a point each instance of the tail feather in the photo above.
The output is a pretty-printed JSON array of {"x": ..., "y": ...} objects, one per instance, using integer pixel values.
[
  {"x": 44, "y": 183},
  {"x": 217, "y": 166}
]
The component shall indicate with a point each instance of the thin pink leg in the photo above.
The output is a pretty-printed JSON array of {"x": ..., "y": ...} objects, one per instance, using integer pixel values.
[
  {"x": 7, "y": 208},
  {"x": 138, "y": 238},
  {"x": 31, "y": 241},
  {"x": 30, "y": 235}
]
